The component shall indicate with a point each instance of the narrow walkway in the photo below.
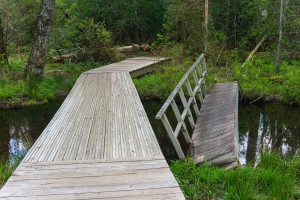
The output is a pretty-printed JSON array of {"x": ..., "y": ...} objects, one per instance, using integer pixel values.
[
  {"x": 99, "y": 144},
  {"x": 215, "y": 137}
]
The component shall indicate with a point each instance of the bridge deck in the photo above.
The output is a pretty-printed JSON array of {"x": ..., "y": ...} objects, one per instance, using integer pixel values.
[
  {"x": 215, "y": 137},
  {"x": 99, "y": 145}
]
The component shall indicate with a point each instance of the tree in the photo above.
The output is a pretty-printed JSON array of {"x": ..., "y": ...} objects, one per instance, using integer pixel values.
[
  {"x": 37, "y": 58},
  {"x": 136, "y": 23},
  {"x": 278, "y": 58},
  {"x": 128, "y": 20},
  {"x": 206, "y": 27},
  {"x": 3, "y": 45}
]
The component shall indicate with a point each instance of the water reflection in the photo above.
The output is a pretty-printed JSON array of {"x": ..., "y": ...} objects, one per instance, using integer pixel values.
[
  {"x": 270, "y": 126},
  {"x": 19, "y": 128}
]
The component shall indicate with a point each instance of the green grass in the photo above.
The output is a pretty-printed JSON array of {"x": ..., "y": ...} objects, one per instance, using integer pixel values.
[
  {"x": 162, "y": 82},
  {"x": 7, "y": 168},
  {"x": 58, "y": 80},
  {"x": 257, "y": 80},
  {"x": 275, "y": 177}
]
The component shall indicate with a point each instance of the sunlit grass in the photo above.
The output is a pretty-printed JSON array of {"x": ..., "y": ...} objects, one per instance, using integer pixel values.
[
  {"x": 256, "y": 80},
  {"x": 275, "y": 177}
]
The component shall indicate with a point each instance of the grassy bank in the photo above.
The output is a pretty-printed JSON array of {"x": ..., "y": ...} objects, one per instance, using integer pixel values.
[
  {"x": 7, "y": 168},
  {"x": 58, "y": 80},
  {"x": 274, "y": 177},
  {"x": 256, "y": 80}
]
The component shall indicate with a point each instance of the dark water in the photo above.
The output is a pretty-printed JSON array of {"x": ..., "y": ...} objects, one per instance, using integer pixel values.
[
  {"x": 19, "y": 128},
  {"x": 272, "y": 126}
]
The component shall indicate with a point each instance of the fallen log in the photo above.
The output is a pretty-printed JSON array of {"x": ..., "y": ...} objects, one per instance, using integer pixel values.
[
  {"x": 129, "y": 49},
  {"x": 254, "y": 51},
  {"x": 62, "y": 58}
]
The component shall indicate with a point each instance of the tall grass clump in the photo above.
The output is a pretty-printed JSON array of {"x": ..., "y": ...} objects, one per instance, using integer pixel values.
[
  {"x": 7, "y": 167},
  {"x": 275, "y": 177}
]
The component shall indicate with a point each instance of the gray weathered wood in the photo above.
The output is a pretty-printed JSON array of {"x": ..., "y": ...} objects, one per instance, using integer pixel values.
[
  {"x": 99, "y": 145},
  {"x": 172, "y": 136},
  {"x": 192, "y": 100},
  {"x": 215, "y": 137}
]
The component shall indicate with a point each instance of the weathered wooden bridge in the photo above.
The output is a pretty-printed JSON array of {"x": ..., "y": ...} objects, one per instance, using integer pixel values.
[
  {"x": 212, "y": 117},
  {"x": 100, "y": 144}
]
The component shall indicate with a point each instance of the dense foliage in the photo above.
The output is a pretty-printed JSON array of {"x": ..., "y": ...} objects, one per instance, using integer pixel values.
[{"x": 88, "y": 31}]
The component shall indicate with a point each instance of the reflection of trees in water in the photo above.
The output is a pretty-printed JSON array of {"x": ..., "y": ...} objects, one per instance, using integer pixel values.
[
  {"x": 272, "y": 126},
  {"x": 164, "y": 141},
  {"x": 19, "y": 128}
]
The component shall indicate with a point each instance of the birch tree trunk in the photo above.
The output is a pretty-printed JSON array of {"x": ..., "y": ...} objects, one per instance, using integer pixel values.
[
  {"x": 3, "y": 44},
  {"x": 37, "y": 59},
  {"x": 254, "y": 51},
  {"x": 278, "y": 58},
  {"x": 206, "y": 27}
]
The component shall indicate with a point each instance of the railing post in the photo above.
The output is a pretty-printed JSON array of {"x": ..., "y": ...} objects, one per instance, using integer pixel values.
[
  {"x": 190, "y": 91},
  {"x": 179, "y": 119},
  {"x": 197, "y": 84},
  {"x": 174, "y": 140},
  {"x": 202, "y": 63},
  {"x": 185, "y": 104}
]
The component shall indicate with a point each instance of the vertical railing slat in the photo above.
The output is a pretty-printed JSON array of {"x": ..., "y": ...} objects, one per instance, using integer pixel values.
[
  {"x": 179, "y": 119},
  {"x": 190, "y": 91},
  {"x": 174, "y": 140},
  {"x": 185, "y": 104},
  {"x": 197, "y": 84},
  {"x": 203, "y": 82}
]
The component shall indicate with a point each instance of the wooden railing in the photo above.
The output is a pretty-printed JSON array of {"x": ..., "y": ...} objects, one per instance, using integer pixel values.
[{"x": 198, "y": 71}]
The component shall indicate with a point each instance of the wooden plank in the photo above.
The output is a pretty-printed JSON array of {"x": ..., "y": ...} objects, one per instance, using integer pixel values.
[
  {"x": 165, "y": 193},
  {"x": 215, "y": 137},
  {"x": 113, "y": 176}
]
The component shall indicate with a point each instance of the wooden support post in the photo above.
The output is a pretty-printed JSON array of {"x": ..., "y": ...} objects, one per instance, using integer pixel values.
[
  {"x": 199, "y": 85},
  {"x": 190, "y": 91},
  {"x": 185, "y": 104},
  {"x": 174, "y": 140},
  {"x": 202, "y": 76},
  {"x": 180, "y": 119}
]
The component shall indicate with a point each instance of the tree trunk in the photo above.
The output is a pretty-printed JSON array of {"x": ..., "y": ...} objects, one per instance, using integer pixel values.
[
  {"x": 206, "y": 27},
  {"x": 278, "y": 58},
  {"x": 254, "y": 51},
  {"x": 136, "y": 23},
  {"x": 37, "y": 59},
  {"x": 3, "y": 44}
]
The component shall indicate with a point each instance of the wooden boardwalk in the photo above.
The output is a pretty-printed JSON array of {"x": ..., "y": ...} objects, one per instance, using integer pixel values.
[
  {"x": 99, "y": 145},
  {"x": 215, "y": 137}
]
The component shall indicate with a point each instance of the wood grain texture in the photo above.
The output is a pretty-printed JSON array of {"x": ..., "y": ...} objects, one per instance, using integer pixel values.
[
  {"x": 99, "y": 145},
  {"x": 215, "y": 137}
]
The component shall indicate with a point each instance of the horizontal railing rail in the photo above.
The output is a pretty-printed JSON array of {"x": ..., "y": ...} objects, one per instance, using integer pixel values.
[{"x": 199, "y": 72}]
